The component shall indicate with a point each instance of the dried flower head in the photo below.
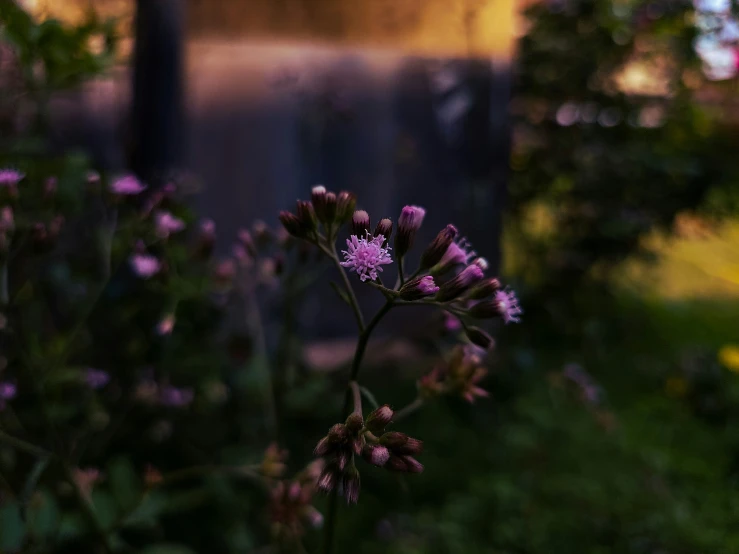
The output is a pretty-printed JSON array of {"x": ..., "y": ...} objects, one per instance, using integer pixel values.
[
  {"x": 366, "y": 256},
  {"x": 457, "y": 253},
  {"x": 438, "y": 247}
]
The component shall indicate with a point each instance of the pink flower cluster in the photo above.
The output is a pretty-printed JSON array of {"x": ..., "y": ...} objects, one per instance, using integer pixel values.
[{"x": 366, "y": 256}]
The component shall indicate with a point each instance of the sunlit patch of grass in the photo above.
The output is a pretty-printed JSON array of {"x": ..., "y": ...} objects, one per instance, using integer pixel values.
[{"x": 703, "y": 264}]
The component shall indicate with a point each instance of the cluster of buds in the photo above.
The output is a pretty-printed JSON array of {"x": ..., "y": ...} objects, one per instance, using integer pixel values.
[
  {"x": 291, "y": 504},
  {"x": 459, "y": 376},
  {"x": 369, "y": 440},
  {"x": 325, "y": 208}
]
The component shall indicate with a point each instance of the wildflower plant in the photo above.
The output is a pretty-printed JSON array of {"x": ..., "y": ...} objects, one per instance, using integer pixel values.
[{"x": 449, "y": 277}]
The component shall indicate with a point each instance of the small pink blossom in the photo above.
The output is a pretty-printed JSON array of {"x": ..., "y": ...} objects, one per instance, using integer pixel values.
[
  {"x": 458, "y": 252},
  {"x": 167, "y": 224},
  {"x": 365, "y": 256},
  {"x": 508, "y": 306},
  {"x": 93, "y": 177},
  {"x": 145, "y": 265},
  {"x": 411, "y": 218},
  {"x": 96, "y": 378},
  {"x": 10, "y": 177},
  {"x": 7, "y": 392},
  {"x": 166, "y": 325},
  {"x": 128, "y": 185}
]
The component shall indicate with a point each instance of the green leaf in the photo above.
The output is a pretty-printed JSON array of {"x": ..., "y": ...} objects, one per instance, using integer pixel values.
[
  {"x": 12, "y": 528},
  {"x": 148, "y": 511},
  {"x": 105, "y": 508},
  {"x": 43, "y": 516},
  {"x": 32, "y": 480},
  {"x": 124, "y": 484},
  {"x": 71, "y": 527}
]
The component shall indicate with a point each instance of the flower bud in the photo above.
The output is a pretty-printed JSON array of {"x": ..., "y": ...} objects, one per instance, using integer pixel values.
[
  {"x": 418, "y": 288},
  {"x": 479, "y": 337},
  {"x": 460, "y": 284},
  {"x": 328, "y": 478},
  {"x": 206, "y": 238},
  {"x": 410, "y": 220},
  {"x": 360, "y": 223},
  {"x": 306, "y": 217},
  {"x": 351, "y": 485},
  {"x": 318, "y": 197},
  {"x": 379, "y": 419},
  {"x": 507, "y": 306},
  {"x": 486, "y": 309},
  {"x": 262, "y": 233},
  {"x": 393, "y": 439},
  {"x": 438, "y": 247},
  {"x": 346, "y": 203},
  {"x": 331, "y": 208},
  {"x": 412, "y": 465},
  {"x": 7, "y": 220},
  {"x": 342, "y": 458},
  {"x": 384, "y": 228},
  {"x": 376, "y": 455},
  {"x": 484, "y": 289},
  {"x": 323, "y": 447},
  {"x": 291, "y": 223},
  {"x": 411, "y": 446},
  {"x": 338, "y": 434},
  {"x": 354, "y": 422},
  {"x": 247, "y": 242}
]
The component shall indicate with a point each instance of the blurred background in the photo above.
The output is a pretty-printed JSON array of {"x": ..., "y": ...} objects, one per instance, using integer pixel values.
[{"x": 587, "y": 148}]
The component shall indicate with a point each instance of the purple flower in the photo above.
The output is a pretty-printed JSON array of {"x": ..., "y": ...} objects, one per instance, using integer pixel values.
[
  {"x": 458, "y": 252},
  {"x": 96, "y": 378},
  {"x": 411, "y": 218},
  {"x": 128, "y": 185},
  {"x": 7, "y": 392},
  {"x": 166, "y": 224},
  {"x": 166, "y": 325},
  {"x": 10, "y": 177},
  {"x": 508, "y": 306},
  {"x": 93, "y": 177},
  {"x": 175, "y": 397},
  {"x": 366, "y": 256},
  {"x": 460, "y": 283},
  {"x": 145, "y": 265},
  {"x": 419, "y": 288}
]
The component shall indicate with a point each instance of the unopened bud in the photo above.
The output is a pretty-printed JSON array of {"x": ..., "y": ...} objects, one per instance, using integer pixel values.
[
  {"x": 291, "y": 223},
  {"x": 411, "y": 446},
  {"x": 330, "y": 208},
  {"x": 351, "y": 485},
  {"x": 247, "y": 242},
  {"x": 385, "y": 228},
  {"x": 323, "y": 447},
  {"x": 346, "y": 202},
  {"x": 318, "y": 198},
  {"x": 438, "y": 247},
  {"x": 360, "y": 223},
  {"x": 418, "y": 288},
  {"x": 412, "y": 465},
  {"x": 486, "y": 309},
  {"x": 479, "y": 337},
  {"x": 342, "y": 458},
  {"x": 328, "y": 478},
  {"x": 306, "y": 217},
  {"x": 484, "y": 289},
  {"x": 410, "y": 220},
  {"x": 207, "y": 237},
  {"x": 459, "y": 284},
  {"x": 379, "y": 419},
  {"x": 338, "y": 434},
  {"x": 354, "y": 422},
  {"x": 393, "y": 439},
  {"x": 375, "y": 454}
]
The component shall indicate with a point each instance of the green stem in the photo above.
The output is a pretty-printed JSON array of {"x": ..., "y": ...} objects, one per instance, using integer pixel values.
[
  {"x": 401, "y": 277},
  {"x": 24, "y": 446},
  {"x": 408, "y": 410},
  {"x": 364, "y": 336},
  {"x": 349, "y": 289},
  {"x": 356, "y": 396}
]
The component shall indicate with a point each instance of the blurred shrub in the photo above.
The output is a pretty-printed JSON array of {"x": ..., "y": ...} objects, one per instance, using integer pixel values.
[{"x": 616, "y": 131}]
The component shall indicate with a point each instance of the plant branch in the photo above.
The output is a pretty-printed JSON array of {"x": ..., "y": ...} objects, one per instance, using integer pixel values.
[
  {"x": 408, "y": 410},
  {"x": 24, "y": 446},
  {"x": 356, "y": 396},
  {"x": 349, "y": 289}
]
